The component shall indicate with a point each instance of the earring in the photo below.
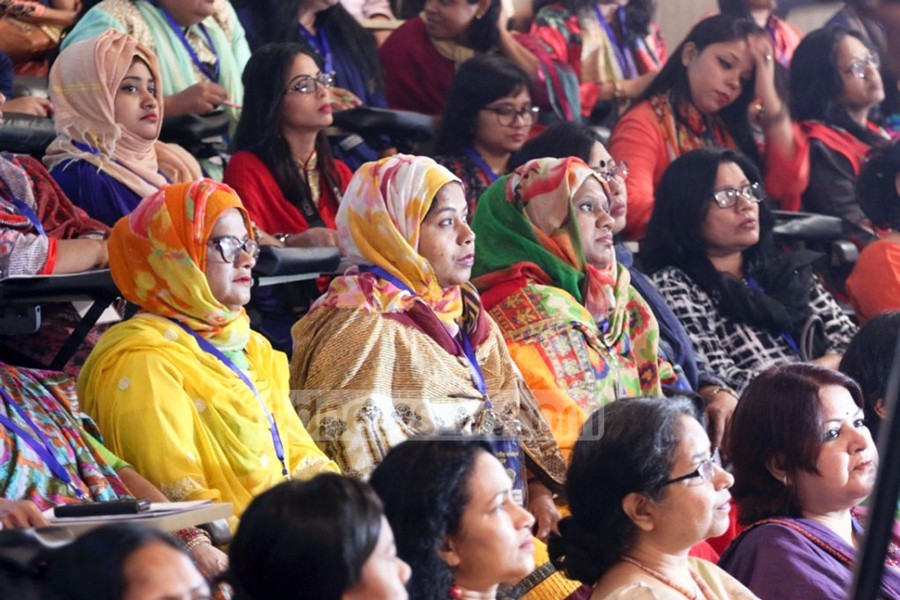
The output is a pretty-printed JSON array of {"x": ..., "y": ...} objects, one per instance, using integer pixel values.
[{"x": 455, "y": 592}]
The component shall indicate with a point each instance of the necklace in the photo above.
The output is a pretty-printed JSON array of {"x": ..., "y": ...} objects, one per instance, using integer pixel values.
[{"x": 705, "y": 592}]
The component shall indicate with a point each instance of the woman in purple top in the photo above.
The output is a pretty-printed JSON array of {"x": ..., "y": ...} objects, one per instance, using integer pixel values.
[{"x": 803, "y": 461}]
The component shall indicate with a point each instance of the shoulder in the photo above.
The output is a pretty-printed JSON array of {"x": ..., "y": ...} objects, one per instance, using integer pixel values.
[
  {"x": 225, "y": 17},
  {"x": 672, "y": 276},
  {"x": 245, "y": 160},
  {"x": 412, "y": 29}
]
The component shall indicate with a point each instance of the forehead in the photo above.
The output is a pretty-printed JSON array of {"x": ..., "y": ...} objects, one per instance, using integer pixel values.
[
  {"x": 487, "y": 479},
  {"x": 851, "y": 48},
  {"x": 730, "y": 174},
  {"x": 518, "y": 95},
  {"x": 138, "y": 68},
  {"x": 451, "y": 195},
  {"x": 694, "y": 441},
  {"x": 835, "y": 402},
  {"x": 737, "y": 50},
  {"x": 231, "y": 222},
  {"x": 303, "y": 64}
]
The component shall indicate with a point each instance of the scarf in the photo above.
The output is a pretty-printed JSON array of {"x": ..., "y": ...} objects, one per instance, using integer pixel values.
[{"x": 688, "y": 129}]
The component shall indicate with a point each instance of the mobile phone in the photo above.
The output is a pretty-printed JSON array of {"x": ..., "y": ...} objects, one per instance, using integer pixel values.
[{"x": 99, "y": 509}]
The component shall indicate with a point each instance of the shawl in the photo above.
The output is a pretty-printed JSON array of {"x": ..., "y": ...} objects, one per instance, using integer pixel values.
[
  {"x": 689, "y": 129},
  {"x": 84, "y": 82},
  {"x": 157, "y": 257},
  {"x": 841, "y": 141},
  {"x": 378, "y": 225}
]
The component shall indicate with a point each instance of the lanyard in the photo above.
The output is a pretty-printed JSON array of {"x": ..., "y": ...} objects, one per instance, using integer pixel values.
[
  {"x": 27, "y": 212},
  {"x": 465, "y": 347},
  {"x": 94, "y": 151},
  {"x": 623, "y": 54},
  {"x": 273, "y": 429},
  {"x": 320, "y": 44},
  {"x": 212, "y": 75},
  {"x": 481, "y": 164},
  {"x": 39, "y": 444}
]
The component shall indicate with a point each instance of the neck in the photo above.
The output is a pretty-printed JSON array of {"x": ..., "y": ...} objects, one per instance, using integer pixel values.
[
  {"x": 608, "y": 11},
  {"x": 183, "y": 20},
  {"x": 860, "y": 116},
  {"x": 673, "y": 566},
  {"x": 761, "y": 16},
  {"x": 497, "y": 161},
  {"x": 730, "y": 265},
  {"x": 307, "y": 18},
  {"x": 301, "y": 143},
  {"x": 467, "y": 594},
  {"x": 839, "y": 522}
]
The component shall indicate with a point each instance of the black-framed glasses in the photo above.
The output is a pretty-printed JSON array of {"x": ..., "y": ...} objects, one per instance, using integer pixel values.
[
  {"x": 507, "y": 113},
  {"x": 613, "y": 170},
  {"x": 858, "y": 67},
  {"x": 307, "y": 84},
  {"x": 706, "y": 470},
  {"x": 230, "y": 247},
  {"x": 727, "y": 198}
]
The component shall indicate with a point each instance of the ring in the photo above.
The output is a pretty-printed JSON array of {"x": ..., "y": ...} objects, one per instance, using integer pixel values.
[
  {"x": 347, "y": 98},
  {"x": 768, "y": 58}
]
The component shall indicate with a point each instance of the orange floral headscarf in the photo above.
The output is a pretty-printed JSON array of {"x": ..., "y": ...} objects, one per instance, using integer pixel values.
[{"x": 157, "y": 256}]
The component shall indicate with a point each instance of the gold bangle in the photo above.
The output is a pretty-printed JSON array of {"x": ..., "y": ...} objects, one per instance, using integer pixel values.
[{"x": 723, "y": 388}]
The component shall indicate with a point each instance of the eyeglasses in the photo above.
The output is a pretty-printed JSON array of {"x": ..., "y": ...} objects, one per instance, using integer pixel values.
[
  {"x": 230, "y": 247},
  {"x": 507, "y": 113},
  {"x": 613, "y": 170},
  {"x": 307, "y": 84},
  {"x": 728, "y": 198},
  {"x": 706, "y": 470},
  {"x": 859, "y": 67}
]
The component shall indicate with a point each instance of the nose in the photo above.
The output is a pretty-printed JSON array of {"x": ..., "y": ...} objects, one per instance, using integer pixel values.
[
  {"x": 604, "y": 219},
  {"x": 522, "y": 519},
  {"x": 148, "y": 100},
  {"x": 404, "y": 571},
  {"x": 245, "y": 260},
  {"x": 861, "y": 439},
  {"x": 466, "y": 235},
  {"x": 722, "y": 479}
]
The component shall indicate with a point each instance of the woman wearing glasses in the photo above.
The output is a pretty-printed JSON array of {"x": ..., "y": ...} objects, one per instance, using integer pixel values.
[
  {"x": 185, "y": 391},
  {"x": 644, "y": 486},
  {"x": 489, "y": 115},
  {"x": 709, "y": 247},
  {"x": 836, "y": 89}
]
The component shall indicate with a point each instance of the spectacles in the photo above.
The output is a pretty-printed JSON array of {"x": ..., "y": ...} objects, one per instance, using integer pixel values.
[
  {"x": 507, "y": 113},
  {"x": 859, "y": 67},
  {"x": 613, "y": 170},
  {"x": 728, "y": 198},
  {"x": 307, "y": 84},
  {"x": 706, "y": 470},
  {"x": 230, "y": 247}
]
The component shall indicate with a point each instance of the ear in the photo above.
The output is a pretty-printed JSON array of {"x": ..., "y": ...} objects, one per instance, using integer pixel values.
[
  {"x": 777, "y": 471},
  {"x": 639, "y": 508},
  {"x": 688, "y": 53},
  {"x": 880, "y": 404},
  {"x": 447, "y": 552}
]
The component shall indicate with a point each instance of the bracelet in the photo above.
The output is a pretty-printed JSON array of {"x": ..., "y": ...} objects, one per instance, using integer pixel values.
[
  {"x": 723, "y": 388},
  {"x": 282, "y": 237},
  {"x": 192, "y": 537}
]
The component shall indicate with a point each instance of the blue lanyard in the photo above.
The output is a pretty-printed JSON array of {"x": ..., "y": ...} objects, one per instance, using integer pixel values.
[
  {"x": 212, "y": 75},
  {"x": 94, "y": 151},
  {"x": 273, "y": 429},
  {"x": 623, "y": 55},
  {"x": 27, "y": 212},
  {"x": 481, "y": 164},
  {"x": 788, "y": 338},
  {"x": 465, "y": 347},
  {"x": 320, "y": 44},
  {"x": 40, "y": 444}
]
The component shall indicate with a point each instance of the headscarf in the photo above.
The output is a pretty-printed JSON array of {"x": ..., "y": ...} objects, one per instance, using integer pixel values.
[
  {"x": 526, "y": 223},
  {"x": 379, "y": 224},
  {"x": 84, "y": 81},
  {"x": 157, "y": 256}
]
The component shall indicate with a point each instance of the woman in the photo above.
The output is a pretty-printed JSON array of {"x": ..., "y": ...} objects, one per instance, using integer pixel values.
[
  {"x": 709, "y": 247},
  {"x": 644, "y": 486},
  {"x": 874, "y": 283},
  {"x": 578, "y": 331},
  {"x": 399, "y": 345},
  {"x": 784, "y": 36},
  {"x": 51, "y": 18},
  {"x": 835, "y": 87},
  {"x": 488, "y": 116},
  {"x": 331, "y": 541},
  {"x": 701, "y": 99},
  {"x": 614, "y": 48},
  {"x": 803, "y": 461},
  {"x": 107, "y": 156},
  {"x": 185, "y": 391}
]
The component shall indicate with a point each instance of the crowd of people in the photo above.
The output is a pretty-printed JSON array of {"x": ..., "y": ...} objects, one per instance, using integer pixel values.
[{"x": 566, "y": 357}]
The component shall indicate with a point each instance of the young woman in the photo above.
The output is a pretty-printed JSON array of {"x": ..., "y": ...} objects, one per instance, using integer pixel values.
[
  {"x": 488, "y": 117},
  {"x": 785, "y": 36}
]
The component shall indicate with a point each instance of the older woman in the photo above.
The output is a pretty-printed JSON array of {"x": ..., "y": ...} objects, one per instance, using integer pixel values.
[
  {"x": 107, "y": 94},
  {"x": 803, "y": 460},
  {"x": 580, "y": 334},
  {"x": 745, "y": 307},
  {"x": 644, "y": 486},
  {"x": 185, "y": 391}
]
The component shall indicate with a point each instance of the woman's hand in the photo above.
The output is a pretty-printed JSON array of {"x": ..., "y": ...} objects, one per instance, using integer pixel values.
[
  {"x": 29, "y": 105},
  {"x": 211, "y": 561},
  {"x": 542, "y": 506},
  {"x": 15, "y": 514},
  {"x": 198, "y": 99},
  {"x": 720, "y": 405},
  {"x": 343, "y": 99},
  {"x": 313, "y": 237},
  {"x": 830, "y": 361}
]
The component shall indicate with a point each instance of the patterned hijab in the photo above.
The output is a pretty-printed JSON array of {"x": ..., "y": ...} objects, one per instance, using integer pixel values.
[
  {"x": 84, "y": 81},
  {"x": 526, "y": 224},
  {"x": 157, "y": 256},
  {"x": 379, "y": 224}
]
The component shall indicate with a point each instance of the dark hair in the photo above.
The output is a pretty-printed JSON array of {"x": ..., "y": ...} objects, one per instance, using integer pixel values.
[
  {"x": 626, "y": 446},
  {"x": 868, "y": 361},
  {"x": 816, "y": 83},
  {"x": 305, "y": 539},
  {"x": 478, "y": 82},
  {"x": 484, "y": 32},
  {"x": 93, "y": 566},
  {"x": 735, "y": 8},
  {"x": 672, "y": 79},
  {"x": 558, "y": 141},
  {"x": 778, "y": 422},
  {"x": 876, "y": 187},
  {"x": 423, "y": 484},
  {"x": 259, "y": 130}
]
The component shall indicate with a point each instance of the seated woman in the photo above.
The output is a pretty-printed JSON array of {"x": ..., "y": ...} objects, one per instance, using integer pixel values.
[
  {"x": 644, "y": 486},
  {"x": 785, "y": 36},
  {"x": 326, "y": 538},
  {"x": 803, "y": 460},
  {"x": 51, "y": 18},
  {"x": 185, "y": 391},
  {"x": 701, "y": 99},
  {"x": 488, "y": 116},
  {"x": 578, "y": 331},
  {"x": 614, "y": 48},
  {"x": 399, "y": 345},
  {"x": 874, "y": 283},
  {"x": 709, "y": 247},
  {"x": 107, "y": 156},
  {"x": 835, "y": 87}
]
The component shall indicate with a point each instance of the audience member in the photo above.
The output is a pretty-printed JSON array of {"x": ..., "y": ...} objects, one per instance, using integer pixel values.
[
  {"x": 785, "y": 36},
  {"x": 709, "y": 247},
  {"x": 803, "y": 461},
  {"x": 701, "y": 99},
  {"x": 35, "y": 29},
  {"x": 488, "y": 116},
  {"x": 107, "y": 156},
  {"x": 28, "y": 105},
  {"x": 644, "y": 486},
  {"x": 185, "y": 391}
]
